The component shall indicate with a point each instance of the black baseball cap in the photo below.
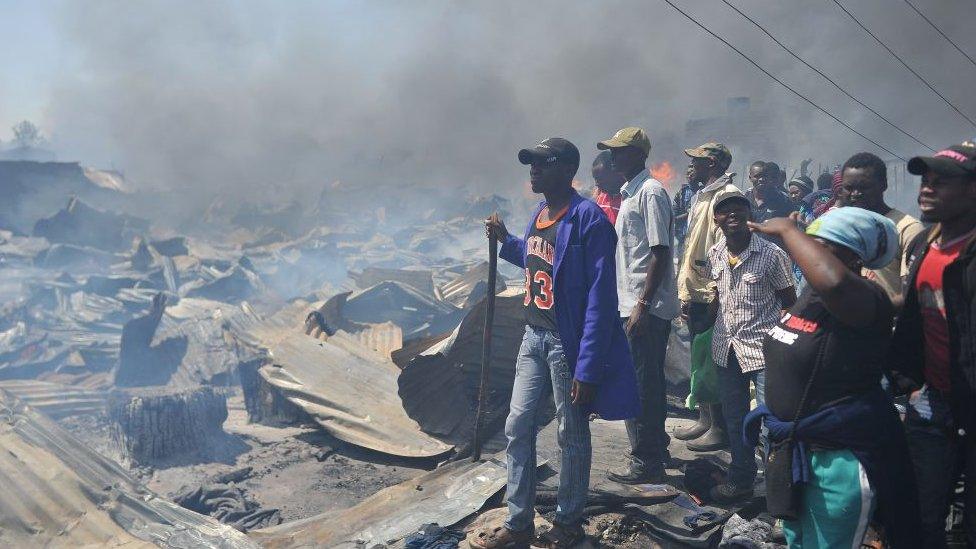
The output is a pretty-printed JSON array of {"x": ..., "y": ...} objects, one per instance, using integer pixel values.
[
  {"x": 554, "y": 149},
  {"x": 957, "y": 160}
]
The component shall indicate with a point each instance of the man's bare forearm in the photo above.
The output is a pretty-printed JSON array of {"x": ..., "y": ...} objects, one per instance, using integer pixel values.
[{"x": 656, "y": 267}]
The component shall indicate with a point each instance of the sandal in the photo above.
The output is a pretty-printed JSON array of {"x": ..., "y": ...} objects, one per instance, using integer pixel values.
[
  {"x": 503, "y": 538},
  {"x": 561, "y": 536}
]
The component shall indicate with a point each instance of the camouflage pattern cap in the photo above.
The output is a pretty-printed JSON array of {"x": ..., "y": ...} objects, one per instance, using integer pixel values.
[{"x": 717, "y": 151}]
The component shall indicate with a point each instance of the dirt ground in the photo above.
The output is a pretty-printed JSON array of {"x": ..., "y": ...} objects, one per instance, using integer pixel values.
[
  {"x": 302, "y": 471},
  {"x": 299, "y": 470}
]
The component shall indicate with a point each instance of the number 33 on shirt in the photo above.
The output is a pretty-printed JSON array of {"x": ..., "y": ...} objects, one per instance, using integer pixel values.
[{"x": 543, "y": 298}]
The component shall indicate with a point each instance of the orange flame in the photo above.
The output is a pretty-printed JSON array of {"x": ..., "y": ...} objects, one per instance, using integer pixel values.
[{"x": 663, "y": 172}]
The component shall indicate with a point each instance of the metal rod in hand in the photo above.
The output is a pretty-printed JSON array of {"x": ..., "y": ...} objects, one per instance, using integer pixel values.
[{"x": 486, "y": 342}]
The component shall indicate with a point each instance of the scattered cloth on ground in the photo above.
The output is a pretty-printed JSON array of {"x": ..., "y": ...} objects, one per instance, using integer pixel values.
[
  {"x": 683, "y": 520},
  {"x": 432, "y": 536},
  {"x": 227, "y": 503},
  {"x": 701, "y": 476},
  {"x": 739, "y": 533}
]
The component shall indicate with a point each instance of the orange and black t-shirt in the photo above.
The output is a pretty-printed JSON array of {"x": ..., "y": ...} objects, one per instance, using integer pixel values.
[{"x": 539, "y": 252}]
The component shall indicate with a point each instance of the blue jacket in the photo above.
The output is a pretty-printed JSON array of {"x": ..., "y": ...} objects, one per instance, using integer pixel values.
[
  {"x": 585, "y": 288},
  {"x": 869, "y": 427}
]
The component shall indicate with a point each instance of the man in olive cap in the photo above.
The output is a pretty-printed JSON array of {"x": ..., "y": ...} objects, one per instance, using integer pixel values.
[
  {"x": 647, "y": 297},
  {"x": 708, "y": 163}
]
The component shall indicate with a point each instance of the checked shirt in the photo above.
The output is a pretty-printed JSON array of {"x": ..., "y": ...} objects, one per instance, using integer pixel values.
[{"x": 748, "y": 306}]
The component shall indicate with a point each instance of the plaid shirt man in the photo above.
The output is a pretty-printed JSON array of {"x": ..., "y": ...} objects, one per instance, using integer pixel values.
[{"x": 748, "y": 305}]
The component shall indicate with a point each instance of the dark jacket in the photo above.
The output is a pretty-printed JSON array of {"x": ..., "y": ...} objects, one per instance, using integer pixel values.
[
  {"x": 869, "y": 427},
  {"x": 585, "y": 287},
  {"x": 776, "y": 205},
  {"x": 906, "y": 357}
]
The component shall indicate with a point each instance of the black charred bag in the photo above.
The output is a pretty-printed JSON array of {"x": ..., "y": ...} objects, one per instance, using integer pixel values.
[{"x": 782, "y": 494}]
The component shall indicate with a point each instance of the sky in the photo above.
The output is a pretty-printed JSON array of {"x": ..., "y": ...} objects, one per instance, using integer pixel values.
[{"x": 272, "y": 100}]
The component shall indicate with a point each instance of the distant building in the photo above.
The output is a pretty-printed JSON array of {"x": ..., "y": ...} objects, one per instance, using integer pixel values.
[{"x": 33, "y": 154}]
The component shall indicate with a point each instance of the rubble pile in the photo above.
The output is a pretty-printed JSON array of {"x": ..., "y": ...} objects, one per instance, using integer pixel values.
[{"x": 331, "y": 321}]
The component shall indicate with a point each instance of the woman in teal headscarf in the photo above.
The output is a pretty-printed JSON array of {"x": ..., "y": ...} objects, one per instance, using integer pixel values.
[{"x": 837, "y": 444}]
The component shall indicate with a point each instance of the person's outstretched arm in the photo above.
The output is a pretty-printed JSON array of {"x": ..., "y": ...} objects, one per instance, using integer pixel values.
[{"x": 846, "y": 294}]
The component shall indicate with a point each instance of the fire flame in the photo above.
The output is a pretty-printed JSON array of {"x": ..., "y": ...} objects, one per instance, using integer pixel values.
[{"x": 663, "y": 172}]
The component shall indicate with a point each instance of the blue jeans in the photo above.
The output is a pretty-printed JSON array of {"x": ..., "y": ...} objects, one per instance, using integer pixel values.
[
  {"x": 939, "y": 454},
  {"x": 648, "y": 439},
  {"x": 541, "y": 368},
  {"x": 733, "y": 386}
]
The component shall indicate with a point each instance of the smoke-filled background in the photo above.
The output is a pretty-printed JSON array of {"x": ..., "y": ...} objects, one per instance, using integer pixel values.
[{"x": 274, "y": 101}]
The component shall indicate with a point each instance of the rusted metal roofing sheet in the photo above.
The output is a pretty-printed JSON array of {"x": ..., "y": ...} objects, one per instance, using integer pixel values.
[
  {"x": 57, "y": 492},
  {"x": 349, "y": 390}
]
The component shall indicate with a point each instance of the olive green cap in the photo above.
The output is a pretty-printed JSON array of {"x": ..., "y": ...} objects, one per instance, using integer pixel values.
[{"x": 627, "y": 137}]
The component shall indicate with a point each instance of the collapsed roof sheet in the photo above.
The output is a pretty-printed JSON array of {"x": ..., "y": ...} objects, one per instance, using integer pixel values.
[
  {"x": 470, "y": 287},
  {"x": 348, "y": 390},
  {"x": 439, "y": 387},
  {"x": 184, "y": 345},
  {"x": 421, "y": 280},
  {"x": 416, "y": 313},
  {"x": 107, "y": 179},
  {"x": 80, "y": 224},
  {"x": 57, "y": 492},
  {"x": 445, "y": 495}
]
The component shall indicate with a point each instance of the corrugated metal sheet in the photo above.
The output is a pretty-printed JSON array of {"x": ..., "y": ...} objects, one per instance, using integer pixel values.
[
  {"x": 54, "y": 399},
  {"x": 422, "y": 280},
  {"x": 57, "y": 492},
  {"x": 445, "y": 496},
  {"x": 347, "y": 389},
  {"x": 439, "y": 387},
  {"x": 469, "y": 288},
  {"x": 193, "y": 343},
  {"x": 110, "y": 180}
]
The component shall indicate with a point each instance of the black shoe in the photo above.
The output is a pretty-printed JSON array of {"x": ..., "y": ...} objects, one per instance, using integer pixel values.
[
  {"x": 729, "y": 493},
  {"x": 633, "y": 473}
]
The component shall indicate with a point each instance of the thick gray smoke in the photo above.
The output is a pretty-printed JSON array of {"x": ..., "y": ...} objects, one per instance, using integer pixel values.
[{"x": 276, "y": 100}]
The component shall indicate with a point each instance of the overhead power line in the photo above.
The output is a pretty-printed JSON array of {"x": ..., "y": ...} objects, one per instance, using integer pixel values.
[
  {"x": 827, "y": 78},
  {"x": 781, "y": 83},
  {"x": 938, "y": 30},
  {"x": 903, "y": 63}
]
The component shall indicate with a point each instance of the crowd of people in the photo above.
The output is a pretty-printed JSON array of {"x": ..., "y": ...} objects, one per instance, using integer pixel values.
[{"x": 818, "y": 298}]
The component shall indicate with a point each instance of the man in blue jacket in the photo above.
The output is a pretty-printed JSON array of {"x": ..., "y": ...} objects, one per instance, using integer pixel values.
[{"x": 574, "y": 344}]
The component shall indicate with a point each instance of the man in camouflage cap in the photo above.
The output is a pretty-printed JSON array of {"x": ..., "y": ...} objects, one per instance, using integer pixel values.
[{"x": 708, "y": 163}]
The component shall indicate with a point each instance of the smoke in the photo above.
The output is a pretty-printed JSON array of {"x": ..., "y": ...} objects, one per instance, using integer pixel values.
[{"x": 273, "y": 101}]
